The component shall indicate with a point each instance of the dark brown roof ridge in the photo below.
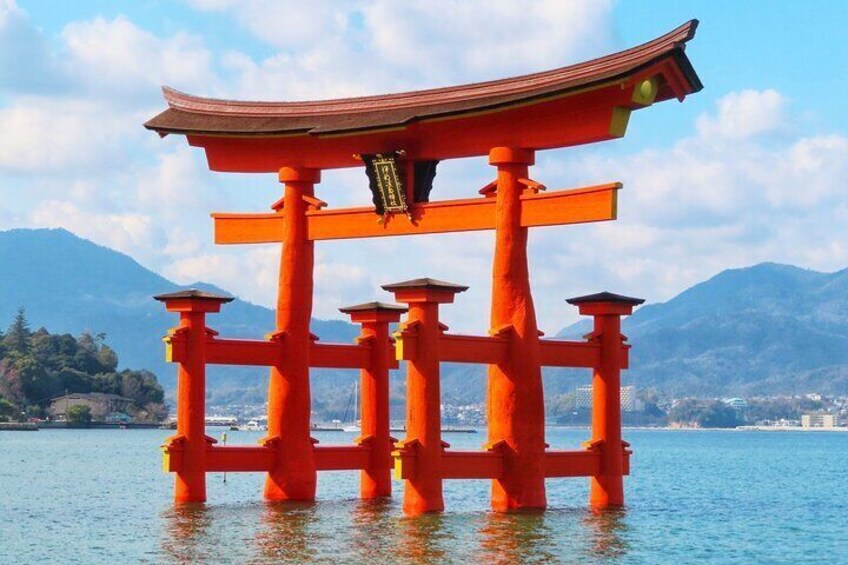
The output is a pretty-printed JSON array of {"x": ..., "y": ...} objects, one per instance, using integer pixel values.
[
  {"x": 375, "y": 306},
  {"x": 604, "y": 67},
  {"x": 605, "y": 296},
  {"x": 193, "y": 294},
  {"x": 425, "y": 283}
]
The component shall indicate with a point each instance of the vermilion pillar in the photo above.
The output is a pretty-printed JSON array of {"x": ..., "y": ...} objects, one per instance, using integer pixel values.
[
  {"x": 293, "y": 476},
  {"x": 423, "y": 490},
  {"x": 607, "y": 488},
  {"x": 191, "y": 440},
  {"x": 515, "y": 404},
  {"x": 375, "y": 317}
]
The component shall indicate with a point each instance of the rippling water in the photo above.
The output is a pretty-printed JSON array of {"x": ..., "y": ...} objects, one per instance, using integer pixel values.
[{"x": 99, "y": 496}]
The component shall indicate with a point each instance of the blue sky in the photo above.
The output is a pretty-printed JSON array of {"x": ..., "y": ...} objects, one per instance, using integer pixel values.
[{"x": 753, "y": 168}]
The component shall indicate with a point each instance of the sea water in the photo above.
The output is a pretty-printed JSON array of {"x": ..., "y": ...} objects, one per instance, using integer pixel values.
[{"x": 100, "y": 496}]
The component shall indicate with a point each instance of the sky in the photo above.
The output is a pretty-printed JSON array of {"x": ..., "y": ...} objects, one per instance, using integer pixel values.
[{"x": 753, "y": 168}]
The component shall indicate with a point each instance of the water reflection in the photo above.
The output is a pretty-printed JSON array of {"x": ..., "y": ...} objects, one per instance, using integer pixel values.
[
  {"x": 607, "y": 528},
  {"x": 185, "y": 537},
  {"x": 286, "y": 535},
  {"x": 422, "y": 539},
  {"x": 516, "y": 538},
  {"x": 357, "y": 531},
  {"x": 371, "y": 523}
]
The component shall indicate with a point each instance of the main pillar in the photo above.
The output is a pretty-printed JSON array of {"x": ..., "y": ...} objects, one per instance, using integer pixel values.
[
  {"x": 423, "y": 489},
  {"x": 293, "y": 476},
  {"x": 375, "y": 317},
  {"x": 190, "y": 441},
  {"x": 515, "y": 404},
  {"x": 607, "y": 488}
]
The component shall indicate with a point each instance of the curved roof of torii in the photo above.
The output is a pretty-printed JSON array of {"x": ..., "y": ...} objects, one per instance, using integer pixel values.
[{"x": 204, "y": 118}]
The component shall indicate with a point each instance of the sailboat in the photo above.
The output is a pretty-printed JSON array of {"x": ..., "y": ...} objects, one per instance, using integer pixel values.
[{"x": 356, "y": 426}]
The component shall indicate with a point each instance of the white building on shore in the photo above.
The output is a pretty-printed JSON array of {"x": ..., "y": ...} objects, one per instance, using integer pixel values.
[
  {"x": 629, "y": 401},
  {"x": 819, "y": 421}
]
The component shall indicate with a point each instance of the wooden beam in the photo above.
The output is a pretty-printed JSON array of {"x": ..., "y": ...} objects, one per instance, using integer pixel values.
[
  {"x": 339, "y": 356},
  {"x": 472, "y": 465},
  {"x": 581, "y": 463},
  {"x": 268, "y": 353},
  {"x": 473, "y": 349},
  {"x": 243, "y": 352},
  {"x": 558, "y": 353},
  {"x": 590, "y": 204},
  {"x": 248, "y": 228},
  {"x": 235, "y": 459},
  {"x": 342, "y": 457}
]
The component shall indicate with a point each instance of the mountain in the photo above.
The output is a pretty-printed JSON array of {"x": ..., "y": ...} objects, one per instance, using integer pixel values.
[
  {"x": 70, "y": 285},
  {"x": 766, "y": 329}
]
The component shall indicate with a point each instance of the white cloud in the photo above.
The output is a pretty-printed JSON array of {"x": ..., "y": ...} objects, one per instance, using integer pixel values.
[
  {"x": 708, "y": 203},
  {"x": 745, "y": 114},
  {"x": 504, "y": 38},
  {"x": 128, "y": 232},
  {"x": 731, "y": 195},
  {"x": 371, "y": 47},
  {"x": 176, "y": 187},
  {"x": 26, "y": 65},
  {"x": 44, "y": 135},
  {"x": 116, "y": 59}
]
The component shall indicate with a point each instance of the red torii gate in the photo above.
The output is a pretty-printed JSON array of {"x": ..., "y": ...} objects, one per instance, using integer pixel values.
[{"x": 508, "y": 120}]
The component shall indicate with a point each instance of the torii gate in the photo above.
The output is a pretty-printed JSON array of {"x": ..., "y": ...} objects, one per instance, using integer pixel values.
[{"x": 508, "y": 120}]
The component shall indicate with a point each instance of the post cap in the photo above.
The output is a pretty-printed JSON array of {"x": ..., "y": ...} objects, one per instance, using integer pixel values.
[
  {"x": 193, "y": 294},
  {"x": 425, "y": 283},
  {"x": 299, "y": 174},
  {"x": 373, "y": 307},
  {"x": 605, "y": 297},
  {"x": 506, "y": 155},
  {"x": 193, "y": 300}
]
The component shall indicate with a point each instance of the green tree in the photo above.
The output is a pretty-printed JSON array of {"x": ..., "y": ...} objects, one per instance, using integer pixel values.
[
  {"x": 704, "y": 413},
  {"x": 79, "y": 414},
  {"x": 142, "y": 387},
  {"x": 11, "y": 385},
  {"x": 17, "y": 339},
  {"x": 107, "y": 358},
  {"x": 8, "y": 411},
  {"x": 37, "y": 366}
]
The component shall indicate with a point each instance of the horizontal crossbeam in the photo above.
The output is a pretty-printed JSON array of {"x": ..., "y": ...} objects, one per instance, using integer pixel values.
[
  {"x": 579, "y": 463},
  {"x": 473, "y": 349},
  {"x": 454, "y": 464},
  {"x": 590, "y": 204},
  {"x": 235, "y": 459},
  {"x": 342, "y": 457},
  {"x": 489, "y": 464},
  {"x": 472, "y": 465},
  {"x": 493, "y": 350},
  {"x": 269, "y": 353},
  {"x": 556, "y": 353}
]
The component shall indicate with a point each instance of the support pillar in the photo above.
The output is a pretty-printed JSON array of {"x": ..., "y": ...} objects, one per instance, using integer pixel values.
[
  {"x": 375, "y": 317},
  {"x": 190, "y": 442},
  {"x": 293, "y": 476},
  {"x": 515, "y": 403},
  {"x": 423, "y": 488},
  {"x": 607, "y": 488}
]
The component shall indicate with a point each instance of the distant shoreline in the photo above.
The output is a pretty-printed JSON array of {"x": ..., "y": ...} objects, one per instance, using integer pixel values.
[
  {"x": 31, "y": 426},
  {"x": 736, "y": 429}
]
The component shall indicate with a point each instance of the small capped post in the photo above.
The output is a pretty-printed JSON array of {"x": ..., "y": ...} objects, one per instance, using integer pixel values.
[
  {"x": 418, "y": 343},
  {"x": 607, "y": 488},
  {"x": 185, "y": 452},
  {"x": 375, "y": 317}
]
